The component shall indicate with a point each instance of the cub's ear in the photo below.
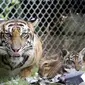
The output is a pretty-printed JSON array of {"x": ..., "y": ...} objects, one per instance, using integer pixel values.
[
  {"x": 32, "y": 23},
  {"x": 2, "y": 21}
]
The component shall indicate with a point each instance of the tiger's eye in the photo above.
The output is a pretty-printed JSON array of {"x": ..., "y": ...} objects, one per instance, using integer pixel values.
[
  {"x": 46, "y": 64},
  {"x": 25, "y": 35}
]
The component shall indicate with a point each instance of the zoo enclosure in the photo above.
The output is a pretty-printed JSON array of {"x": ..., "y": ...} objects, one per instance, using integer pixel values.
[{"x": 61, "y": 22}]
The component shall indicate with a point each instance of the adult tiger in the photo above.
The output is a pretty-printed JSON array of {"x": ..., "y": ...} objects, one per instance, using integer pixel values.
[{"x": 20, "y": 48}]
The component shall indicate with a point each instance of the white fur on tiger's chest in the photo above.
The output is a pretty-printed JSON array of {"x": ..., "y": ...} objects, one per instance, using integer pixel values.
[
  {"x": 8, "y": 72},
  {"x": 14, "y": 62}
]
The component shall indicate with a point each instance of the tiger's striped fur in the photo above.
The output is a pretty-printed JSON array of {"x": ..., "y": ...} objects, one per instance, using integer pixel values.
[{"x": 20, "y": 47}]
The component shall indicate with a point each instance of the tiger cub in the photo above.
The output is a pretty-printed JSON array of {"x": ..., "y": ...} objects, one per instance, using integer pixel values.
[
  {"x": 72, "y": 61},
  {"x": 59, "y": 63},
  {"x": 51, "y": 66},
  {"x": 20, "y": 47}
]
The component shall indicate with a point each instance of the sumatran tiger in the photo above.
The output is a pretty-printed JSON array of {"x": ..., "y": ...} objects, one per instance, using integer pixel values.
[
  {"x": 50, "y": 66},
  {"x": 20, "y": 47}
]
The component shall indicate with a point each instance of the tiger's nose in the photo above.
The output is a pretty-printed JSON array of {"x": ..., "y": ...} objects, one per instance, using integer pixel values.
[{"x": 15, "y": 50}]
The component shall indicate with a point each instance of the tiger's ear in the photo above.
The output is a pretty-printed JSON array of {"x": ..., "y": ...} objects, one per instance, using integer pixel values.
[{"x": 32, "y": 23}]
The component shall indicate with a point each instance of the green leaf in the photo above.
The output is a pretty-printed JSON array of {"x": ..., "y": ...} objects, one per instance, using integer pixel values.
[
  {"x": 34, "y": 70},
  {"x": 15, "y": 2},
  {"x": 2, "y": 16}
]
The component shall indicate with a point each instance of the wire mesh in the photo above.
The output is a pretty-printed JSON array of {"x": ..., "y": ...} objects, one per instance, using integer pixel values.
[{"x": 61, "y": 22}]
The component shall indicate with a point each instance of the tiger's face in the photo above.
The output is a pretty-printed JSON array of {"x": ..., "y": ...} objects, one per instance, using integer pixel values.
[
  {"x": 18, "y": 40},
  {"x": 73, "y": 61}
]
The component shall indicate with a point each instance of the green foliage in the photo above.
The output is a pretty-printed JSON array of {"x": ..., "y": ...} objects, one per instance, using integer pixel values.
[
  {"x": 34, "y": 70},
  {"x": 16, "y": 80},
  {"x": 5, "y": 10}
]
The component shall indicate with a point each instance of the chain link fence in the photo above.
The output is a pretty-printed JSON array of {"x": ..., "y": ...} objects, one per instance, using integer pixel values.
[{"x": 61, "y": 22}]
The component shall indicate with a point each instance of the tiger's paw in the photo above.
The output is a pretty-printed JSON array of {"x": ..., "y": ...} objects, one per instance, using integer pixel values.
[{"x": 25, "y": 72}]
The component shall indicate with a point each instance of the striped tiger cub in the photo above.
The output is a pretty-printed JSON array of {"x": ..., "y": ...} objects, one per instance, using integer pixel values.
[
  {"x": 51, "y": 65},
  {"x": 20, "y": 47}
]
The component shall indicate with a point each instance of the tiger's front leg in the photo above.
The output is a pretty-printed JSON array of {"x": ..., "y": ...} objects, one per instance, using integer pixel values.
[{"x": 26, "y": 72}]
